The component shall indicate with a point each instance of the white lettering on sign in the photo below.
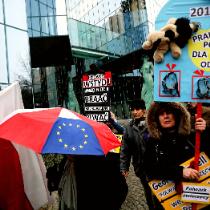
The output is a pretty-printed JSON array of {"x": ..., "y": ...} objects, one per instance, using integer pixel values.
[
  {"x": 95, "y": 90},
  {"x": 97, "y": 83},
  {"x": 99, "y": 117},
  {"x": 96, "y": 76},
  {"x": 96, "y": 98},
  {"x": 200, "y": 11},
  {"x": 97, "y": 108}
]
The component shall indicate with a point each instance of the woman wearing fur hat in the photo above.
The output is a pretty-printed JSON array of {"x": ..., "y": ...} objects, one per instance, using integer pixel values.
[{"x": 169, "y": 143}]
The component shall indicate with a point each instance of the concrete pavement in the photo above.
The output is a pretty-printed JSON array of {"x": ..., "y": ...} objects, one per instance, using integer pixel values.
[{"x": 135, "y": 199}]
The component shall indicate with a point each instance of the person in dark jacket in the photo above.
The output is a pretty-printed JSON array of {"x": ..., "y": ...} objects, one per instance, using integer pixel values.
[
  {"x": 169, "y": 143},
  {"x": 133, "y": 146},
  {"x": 94, "y": 182}
]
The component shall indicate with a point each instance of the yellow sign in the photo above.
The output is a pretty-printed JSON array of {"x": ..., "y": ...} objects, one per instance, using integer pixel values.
[
  {"x": 117, "y": 150},
  {"x": 204, "y": 166},
  {"x": 196, "y": 192},
  {"x": 175, "y": 203},
  {"x": 163, "y": 189}
]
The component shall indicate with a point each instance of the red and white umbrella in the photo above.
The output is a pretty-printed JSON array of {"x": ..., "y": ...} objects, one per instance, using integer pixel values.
[{"x": 58, "y": 130}]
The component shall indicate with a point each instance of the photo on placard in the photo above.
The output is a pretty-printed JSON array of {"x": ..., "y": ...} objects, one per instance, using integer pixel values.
[
  {"x": 200, "y": 87},
  {"x": 169, "y": 83}
]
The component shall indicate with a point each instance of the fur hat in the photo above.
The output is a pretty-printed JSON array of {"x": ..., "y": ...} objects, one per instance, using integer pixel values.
[
  {"x": 137, "y": 104},
  {"x": 180, "y": 112}
]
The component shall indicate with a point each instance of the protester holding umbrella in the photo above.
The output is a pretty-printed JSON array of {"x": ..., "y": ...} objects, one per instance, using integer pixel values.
[
  {"x": 169, "y": 143},
  {"x": 59, "y": 130},
  {"x": 94, "y": 182}
]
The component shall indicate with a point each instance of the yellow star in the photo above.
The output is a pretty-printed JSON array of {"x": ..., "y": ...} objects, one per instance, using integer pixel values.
[
  {"x": 85, "y": 142},
  {"x": 74, "y": 148},
  {"x": 59, "y": 127},
  {"x": 78, "y": 126},
  {"x": 81, "y": 147},
  {"x": 64, "y": 124},
  {"x": 65, "y": 145},
  {"x": 58, "y": 133},
  {"x": 83, "y": 129},
  {"x": 60, "y": 140},
  {"x": 85, "y": 135}
]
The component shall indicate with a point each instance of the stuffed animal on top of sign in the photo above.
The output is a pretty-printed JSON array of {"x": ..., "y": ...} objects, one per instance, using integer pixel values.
[
  {"x": 185, "y": 29},
  {"x": 174, "y": 36},
  {"x": 159, "y": 41}
]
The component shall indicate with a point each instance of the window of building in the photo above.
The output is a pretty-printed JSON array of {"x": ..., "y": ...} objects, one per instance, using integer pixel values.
[
  {"x": 18, "y": 51},
  {"x": 29, "y": 23},
  {"x": 43, "y": 9},
  {"x": 50, "y": 3},
  {"x": 36, "y": 33},
  {"x": 45, "y": 25},
  {"x": 35, "y": 8},
  {"x": 14, "y": 18},
  {"x": 3, "y": 75},
  {"x": 52, "y": 28},
  {"x": 35, "y": 23},
  {"x": 1, "y": 12},
  {"x": 43, "y": 1}
]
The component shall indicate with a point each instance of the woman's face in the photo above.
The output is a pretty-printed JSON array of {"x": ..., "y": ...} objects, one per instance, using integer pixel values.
[{"x": 167, "y": 119}]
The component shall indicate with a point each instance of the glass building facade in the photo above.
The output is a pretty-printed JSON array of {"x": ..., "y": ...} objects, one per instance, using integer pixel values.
[
  {"x": 14, "y": 44},
  {"x": 45, "y": 21},
  {"x": 103, "y": 31},
  {"x": 100, "y": 32},
  {"x": 116, "y": 27},
  {"x": 41, "y": 18}
]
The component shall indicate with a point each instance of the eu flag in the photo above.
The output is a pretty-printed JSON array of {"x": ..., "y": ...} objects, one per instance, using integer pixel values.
[{"x": 72, "y": 136}]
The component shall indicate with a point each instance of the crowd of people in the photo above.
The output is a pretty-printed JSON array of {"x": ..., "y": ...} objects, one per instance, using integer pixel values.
[{"x": 156, "y": 141}]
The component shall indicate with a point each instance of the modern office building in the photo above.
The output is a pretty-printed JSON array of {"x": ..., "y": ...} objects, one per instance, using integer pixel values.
[
  {"x": 104, "y": 32},
  {"x": 50, "y": 53},
  {"x": 108, "y": 33},
  {"x": 14, "y": 46}
]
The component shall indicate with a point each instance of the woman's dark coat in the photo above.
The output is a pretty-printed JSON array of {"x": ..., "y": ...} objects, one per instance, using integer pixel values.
[{"x": 165, "y": 151}]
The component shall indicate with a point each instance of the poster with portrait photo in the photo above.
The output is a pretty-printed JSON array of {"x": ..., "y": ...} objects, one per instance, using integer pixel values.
[{"x": 194, "y": 60}]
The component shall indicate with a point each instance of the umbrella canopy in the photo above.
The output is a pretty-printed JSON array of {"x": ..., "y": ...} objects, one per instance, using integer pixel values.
[{"x": 58, "y": 130}]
